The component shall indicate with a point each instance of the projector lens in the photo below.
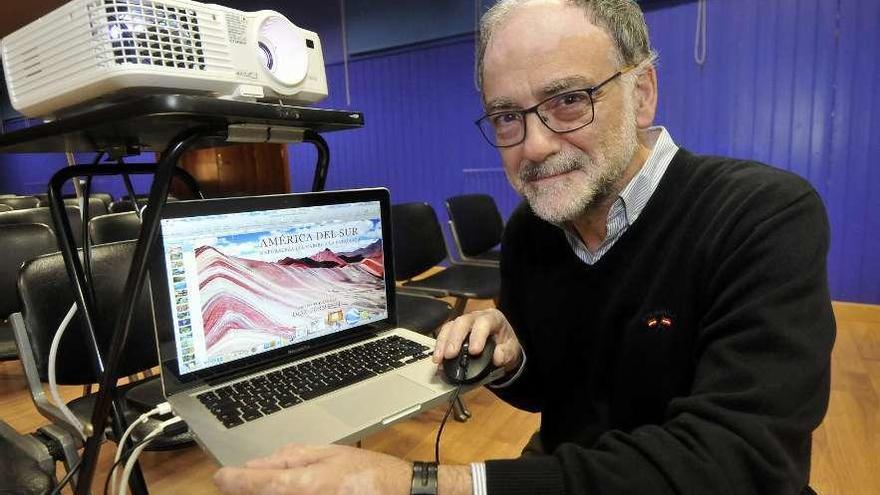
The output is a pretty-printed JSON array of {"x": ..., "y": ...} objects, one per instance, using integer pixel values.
[
  {"x": 268, "y": 60},
  {"x": 283, "y": 50}
]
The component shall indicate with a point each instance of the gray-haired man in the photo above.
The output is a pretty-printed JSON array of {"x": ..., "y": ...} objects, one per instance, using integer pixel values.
[{"x": 667, "y": 313}]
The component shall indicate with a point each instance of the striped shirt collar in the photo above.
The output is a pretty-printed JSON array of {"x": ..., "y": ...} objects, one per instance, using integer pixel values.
[{"x": 632, "y": 199}]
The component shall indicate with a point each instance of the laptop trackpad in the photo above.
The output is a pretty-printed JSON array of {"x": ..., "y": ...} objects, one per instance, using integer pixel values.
[{"x": 372, "y": 402}]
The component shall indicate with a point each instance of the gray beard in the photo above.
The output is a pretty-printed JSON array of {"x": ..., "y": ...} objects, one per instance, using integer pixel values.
[{"x": 600, "y": 184}]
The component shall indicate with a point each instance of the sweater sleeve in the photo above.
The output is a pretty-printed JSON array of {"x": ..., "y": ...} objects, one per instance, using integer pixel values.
[{"x": 760, "y": 387}]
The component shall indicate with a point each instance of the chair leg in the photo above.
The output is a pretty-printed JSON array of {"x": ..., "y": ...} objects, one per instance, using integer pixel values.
[
  {"x": 460, "y": 305},
  {"x": 460, "y": 411}
]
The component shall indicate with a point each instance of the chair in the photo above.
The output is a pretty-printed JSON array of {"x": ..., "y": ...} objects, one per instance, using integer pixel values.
[
  {"x": 20, "y": 202},
  {"x": 476, "y": 227},
  {"x": 5, "y": 208},
  {"x": 419, "y": 246},
  {"x": 44, "y": 216},
  {"x": 105, "y": 198},
  {"x": 96, "y": 206},
  {"x": 46, "y": 296},
  {"x": 27, "y": 466},
  {"x": 422, "y": 314},
  {"x": 114, "y": 227},
  {"x": 124, "y": 205},
  {"x": 19, "y": 243}
]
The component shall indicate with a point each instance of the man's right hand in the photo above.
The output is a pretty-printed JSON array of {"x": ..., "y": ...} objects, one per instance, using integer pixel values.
[{"x": 480, "y": 325}]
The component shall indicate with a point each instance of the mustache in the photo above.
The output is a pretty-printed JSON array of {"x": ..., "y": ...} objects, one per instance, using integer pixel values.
[{"x": 559, "y": 163}]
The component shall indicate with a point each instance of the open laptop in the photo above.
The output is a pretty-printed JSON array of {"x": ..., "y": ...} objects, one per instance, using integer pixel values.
[{"x": 275, "y": 322}]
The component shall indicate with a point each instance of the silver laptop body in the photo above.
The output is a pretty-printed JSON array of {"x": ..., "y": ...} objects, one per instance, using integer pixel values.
[{"x": 247, "y": 290}]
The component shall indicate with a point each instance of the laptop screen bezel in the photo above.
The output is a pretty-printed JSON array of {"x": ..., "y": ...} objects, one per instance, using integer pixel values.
[{"x": 173, "y": 381}]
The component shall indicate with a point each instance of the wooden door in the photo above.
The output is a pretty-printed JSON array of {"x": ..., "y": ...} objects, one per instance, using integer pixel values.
[{"x": 237, "y": 170}]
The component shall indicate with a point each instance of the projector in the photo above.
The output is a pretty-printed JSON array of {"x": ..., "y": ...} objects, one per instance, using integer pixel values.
[{"x": 88, "y": 49}]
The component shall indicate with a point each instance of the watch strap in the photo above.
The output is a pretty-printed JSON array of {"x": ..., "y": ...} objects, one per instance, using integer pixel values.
[{"x": 424, "y": 479}]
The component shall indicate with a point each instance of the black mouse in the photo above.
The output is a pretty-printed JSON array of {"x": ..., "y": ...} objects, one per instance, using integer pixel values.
[{"x": 467, "y": 368}]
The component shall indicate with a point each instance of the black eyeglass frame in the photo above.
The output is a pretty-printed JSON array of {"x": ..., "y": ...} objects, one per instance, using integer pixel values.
[{"x": 534, "y": 109}]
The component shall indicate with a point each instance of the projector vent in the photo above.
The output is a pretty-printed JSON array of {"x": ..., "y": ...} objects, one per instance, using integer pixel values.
[{"x": 145, "y": 32}]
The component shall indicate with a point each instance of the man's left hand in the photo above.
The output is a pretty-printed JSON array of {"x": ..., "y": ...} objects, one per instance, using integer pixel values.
[{"x": 325, "y": 470}]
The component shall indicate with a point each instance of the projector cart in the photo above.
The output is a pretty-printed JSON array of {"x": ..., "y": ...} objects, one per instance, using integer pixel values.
[{"x": 171, "y": 125}]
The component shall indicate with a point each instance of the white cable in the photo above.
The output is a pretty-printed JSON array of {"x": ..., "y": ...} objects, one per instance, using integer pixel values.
[
  {"x": 132, "y": 459},
  {"x": 700, "y": 41},
  {"x": 344, "y": 27},
  {"x": 53, "y": 384},
  {"x": 163, "y": 408}
]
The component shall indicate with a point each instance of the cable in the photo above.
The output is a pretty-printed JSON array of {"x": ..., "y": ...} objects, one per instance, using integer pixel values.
[
  {"x": 120, "y": 460},
  {"x": 53, "y": 384},
  {"x": 132, "y": 459},
  {"x": 66, "y": 479},
  {"x": 161, "y": 409},
  {"x": 443, "y": 424}
]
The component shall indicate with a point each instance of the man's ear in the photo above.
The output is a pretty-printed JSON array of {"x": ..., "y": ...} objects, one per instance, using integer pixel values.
[{"x": 646, "y": 97}]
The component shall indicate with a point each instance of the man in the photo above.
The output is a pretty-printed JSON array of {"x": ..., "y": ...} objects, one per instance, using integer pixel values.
[{"x": 667, "y": 313}]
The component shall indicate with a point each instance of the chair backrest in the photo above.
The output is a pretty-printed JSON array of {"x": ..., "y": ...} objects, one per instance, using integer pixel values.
[
  {"x": 5, "y": 208},
  {"x": 46, "y": 296},
  {"x": 418, "y": 239},
  {"x": 105, "y": 198},
  {"x": 96, "y": 206},
  {"x": 19, "y": 243},
  {"x": 124, "y": 205},
  {"x": 44, "y": 216},
  {"x": 21, "y": 202},
  {"x": 476, "y": 222},
  {"x": 114, "y": 227}
]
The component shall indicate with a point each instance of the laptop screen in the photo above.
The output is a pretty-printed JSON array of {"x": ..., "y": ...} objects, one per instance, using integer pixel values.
[{"x": 251, "y": 282}]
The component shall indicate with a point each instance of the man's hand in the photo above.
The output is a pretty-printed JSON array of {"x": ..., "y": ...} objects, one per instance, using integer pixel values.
[
  {"x": 480, "y": 325},
  {"x": 325, "y": 470}
]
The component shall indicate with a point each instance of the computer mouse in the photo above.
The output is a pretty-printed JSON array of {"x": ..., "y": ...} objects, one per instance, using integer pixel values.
[{"x": 467, "y": 368}]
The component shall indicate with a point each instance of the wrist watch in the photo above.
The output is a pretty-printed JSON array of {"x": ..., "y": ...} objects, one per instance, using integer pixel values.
[{"x": 424, "y": 479}]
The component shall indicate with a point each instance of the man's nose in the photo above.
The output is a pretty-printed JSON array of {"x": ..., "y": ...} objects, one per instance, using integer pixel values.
[{"x": 540, "y": 142}]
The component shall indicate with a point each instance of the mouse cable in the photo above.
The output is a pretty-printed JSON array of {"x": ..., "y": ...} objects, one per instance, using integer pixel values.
[
  {"x": 66, "y": 479},
  {"x": 443, "y": 423}
]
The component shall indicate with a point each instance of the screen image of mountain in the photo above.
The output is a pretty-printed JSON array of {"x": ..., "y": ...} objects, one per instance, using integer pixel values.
[{"x": 250, "y": 303}]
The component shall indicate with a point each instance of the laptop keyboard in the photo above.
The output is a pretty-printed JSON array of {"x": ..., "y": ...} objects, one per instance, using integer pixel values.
[{"x": 262, "y": 395}]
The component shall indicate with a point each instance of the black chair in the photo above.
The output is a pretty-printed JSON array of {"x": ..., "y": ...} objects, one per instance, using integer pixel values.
[
  {"x": 46, "y": 297},
  {"x": 124, "y": 205},
  {"x": 18, "y": 243},
  {"x": 97, "y": 207},
  {"x": 422, "y": 314},
  {"x": 44, "y": 216},
  {"x": 5, "y": 208},
  {"x": 27, "y": 466},
  {"x": 419, "y": 246},
  {"x": 114, "y": 227},
  {"x": 105, "y": 198},
  {"x": 21, "y": 202},
  {"x": 476, "y": 227}
]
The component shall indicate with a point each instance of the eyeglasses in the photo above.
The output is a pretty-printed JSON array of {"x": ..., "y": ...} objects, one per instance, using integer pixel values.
[{"x": 562, "y": 113}]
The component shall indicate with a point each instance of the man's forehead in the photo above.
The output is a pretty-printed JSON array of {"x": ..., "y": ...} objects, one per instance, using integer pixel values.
[{"x": 544, "y": 47}]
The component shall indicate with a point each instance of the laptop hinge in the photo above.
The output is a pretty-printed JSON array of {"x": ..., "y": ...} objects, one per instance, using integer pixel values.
[{"x": 256, "y": 367}]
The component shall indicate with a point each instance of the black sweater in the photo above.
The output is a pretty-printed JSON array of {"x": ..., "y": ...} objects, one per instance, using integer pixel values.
[{"x": 692, "y": 358}]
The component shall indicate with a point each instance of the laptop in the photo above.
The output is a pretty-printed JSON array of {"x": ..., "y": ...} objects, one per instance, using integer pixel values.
[{"x": 276, "y": 323}]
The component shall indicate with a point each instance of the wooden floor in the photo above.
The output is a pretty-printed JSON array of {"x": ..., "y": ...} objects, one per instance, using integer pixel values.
[{"x": 846, "y": 451}]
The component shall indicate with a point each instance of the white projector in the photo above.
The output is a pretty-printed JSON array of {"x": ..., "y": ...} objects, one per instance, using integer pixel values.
[{"x": 94, "y": 48}]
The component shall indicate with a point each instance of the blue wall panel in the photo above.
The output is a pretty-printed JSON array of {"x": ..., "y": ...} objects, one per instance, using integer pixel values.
[{"x": 854, "y": 180}]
